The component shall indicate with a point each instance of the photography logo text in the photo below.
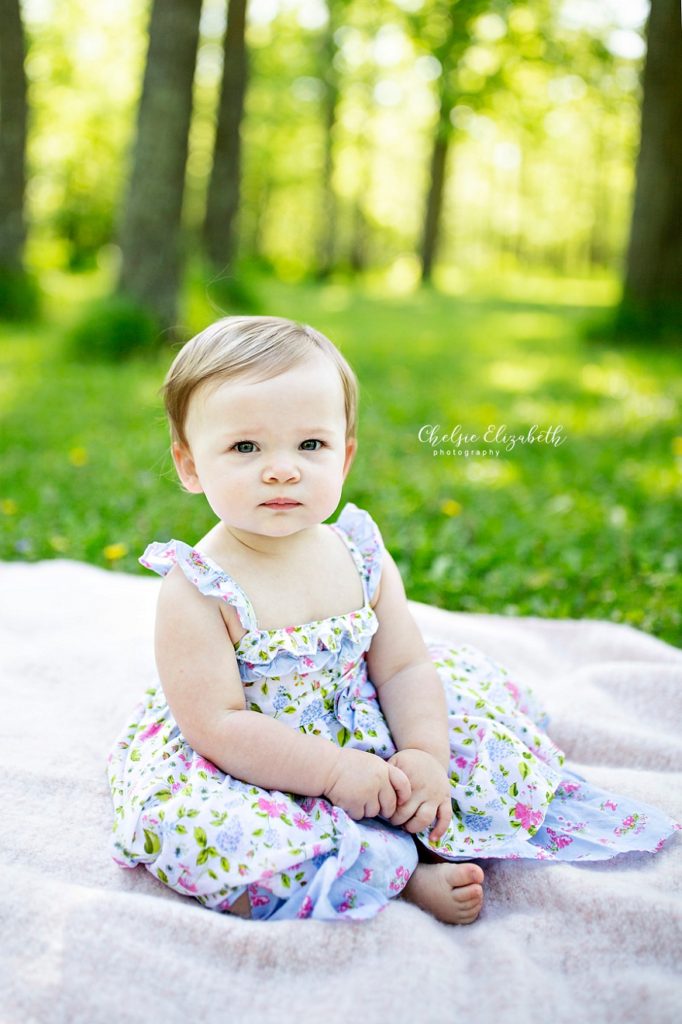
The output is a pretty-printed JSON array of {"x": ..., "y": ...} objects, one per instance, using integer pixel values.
[{"x": 491, "y": 442}]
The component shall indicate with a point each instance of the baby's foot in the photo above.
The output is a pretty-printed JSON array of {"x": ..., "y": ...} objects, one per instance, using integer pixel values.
[{"x": 451, "y": 892}]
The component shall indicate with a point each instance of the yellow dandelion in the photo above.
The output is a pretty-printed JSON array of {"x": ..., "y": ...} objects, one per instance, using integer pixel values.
[
  {"x": 114, "y": 552},
  {"x": 78, "y": 457},
  {"x": 677, "y": 445},
  {"x": 450, "y": 507},
  {"x": 58, "y": 543},
  {"x": 9, "y": 506}
]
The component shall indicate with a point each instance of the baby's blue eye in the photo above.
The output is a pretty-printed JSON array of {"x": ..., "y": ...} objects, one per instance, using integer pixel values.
[
  {"x": 306, "y": 445},
  {"x": 244, "y": 447}
]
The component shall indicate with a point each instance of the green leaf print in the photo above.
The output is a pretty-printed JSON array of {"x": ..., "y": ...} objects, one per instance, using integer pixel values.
[
  {"x": 152, "y": 843},
  {"x": 289, "y": 710},
  {"x": 224, "y": 863},
  {"x": 286, "y": 881},
  {"x": 200, "y": 836},
  {"x": 342, "y": 737},
  {"x": 164, "y": 794},
  {"x": 513, "y": 789},
  {"x": 192, "y": 813},
  {"x": 358, "y": 734},
  {"x": 162, "y": 876},
  {"x": 135, "y": 755},
  {"x": 524, "y": 770},
  {"x": 203, "y": 857},
  {"x": 181, "y": 829}
]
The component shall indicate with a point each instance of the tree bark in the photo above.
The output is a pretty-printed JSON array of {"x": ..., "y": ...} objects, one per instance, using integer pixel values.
[
  {"x": 326, "y": 242},
  {"x": 150, "y": 232},
  {"x": 222, "y": 202},
  {"x": 653, "y": 279},
  {"x": 434, "y": 199},
  {"x": 13, "y": 119}
]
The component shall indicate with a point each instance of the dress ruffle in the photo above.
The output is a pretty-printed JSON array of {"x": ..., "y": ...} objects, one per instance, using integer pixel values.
[
  {"x": 364, "y": 533},
  {"x": 200, "y": 570}
]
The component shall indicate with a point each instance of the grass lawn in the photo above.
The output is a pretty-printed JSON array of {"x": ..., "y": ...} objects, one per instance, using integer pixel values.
[{"x": 588, "y": 528}]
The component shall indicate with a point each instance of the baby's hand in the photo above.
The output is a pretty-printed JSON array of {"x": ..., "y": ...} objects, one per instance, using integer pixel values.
[
  {"x": 365, "y": 785},
  {"x": 430, "y": 798}
]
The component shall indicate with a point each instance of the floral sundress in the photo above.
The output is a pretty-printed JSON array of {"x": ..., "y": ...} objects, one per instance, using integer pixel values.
[{"x": 213, "y": 837}]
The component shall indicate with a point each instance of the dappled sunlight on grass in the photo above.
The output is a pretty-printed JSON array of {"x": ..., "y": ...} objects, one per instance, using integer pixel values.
[{"x": 587, "y": 527}]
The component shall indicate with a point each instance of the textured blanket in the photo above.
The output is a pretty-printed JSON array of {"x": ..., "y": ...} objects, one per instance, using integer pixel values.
[{"x": 85, "y": 941}]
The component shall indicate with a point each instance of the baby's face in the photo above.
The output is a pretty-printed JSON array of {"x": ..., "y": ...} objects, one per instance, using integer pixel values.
[{"x": 270, "y": 456}]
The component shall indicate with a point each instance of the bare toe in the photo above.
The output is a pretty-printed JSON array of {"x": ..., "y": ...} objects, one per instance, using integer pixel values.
[{"x": 447, "y": 891}]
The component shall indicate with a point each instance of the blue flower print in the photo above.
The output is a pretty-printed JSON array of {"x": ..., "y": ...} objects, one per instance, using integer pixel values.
[
  {"x": 281, "y": 699},
  {"x": 314, "y": 711},
  {"x": 478, "y": 822},
  {"x": 498, "y": 749},
  {"x": 229, "y": 838},
  {"x": 499, "y": 782}
]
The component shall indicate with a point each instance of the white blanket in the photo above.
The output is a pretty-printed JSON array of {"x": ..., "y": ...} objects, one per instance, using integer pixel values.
[{"x": 85, "y": 941}]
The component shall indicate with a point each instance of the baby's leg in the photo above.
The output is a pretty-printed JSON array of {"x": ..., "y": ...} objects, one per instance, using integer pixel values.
[{"x": 451, "y": 892}]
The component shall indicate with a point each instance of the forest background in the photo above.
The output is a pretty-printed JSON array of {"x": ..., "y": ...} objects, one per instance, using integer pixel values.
[{"x": 481, "y": 203}]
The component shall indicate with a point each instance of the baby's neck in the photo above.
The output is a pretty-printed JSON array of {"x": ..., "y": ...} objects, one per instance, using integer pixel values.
[{"x": 257, "y": 545}]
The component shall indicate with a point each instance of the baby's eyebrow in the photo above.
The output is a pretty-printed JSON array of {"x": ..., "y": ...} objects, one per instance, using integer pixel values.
[{"x": 255, "y": 430}]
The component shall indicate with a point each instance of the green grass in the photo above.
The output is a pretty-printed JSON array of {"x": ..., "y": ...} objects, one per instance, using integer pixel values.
[{"x": 587, "y": 529}]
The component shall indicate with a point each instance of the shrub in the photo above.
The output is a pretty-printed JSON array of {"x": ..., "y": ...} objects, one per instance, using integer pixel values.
[
  {"x": 19, "y": 295},
  {"x": 114, "y": 328}
]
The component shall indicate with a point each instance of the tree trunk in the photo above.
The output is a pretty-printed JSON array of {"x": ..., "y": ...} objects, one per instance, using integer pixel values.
[
  {"x": 326, "y": 242},
  {"x": 13, "y": 111},
  {"x": 434, "y": 199},
  {"x": 653, "y": 280},
  {"x": 223, "y": 191},
  {"x": 150, "y": 233}
]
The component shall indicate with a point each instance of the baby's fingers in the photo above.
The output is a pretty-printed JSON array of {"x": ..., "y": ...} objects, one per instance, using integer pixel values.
[
  {"x": 400, "y": 783},
  {"x": 387, "y": 801},
  {"x": 443, "y": 819}
]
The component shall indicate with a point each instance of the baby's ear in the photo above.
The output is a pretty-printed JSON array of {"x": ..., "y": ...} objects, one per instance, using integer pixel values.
[
  {"x": 351, "y": 448},
  {"x": 187, "y": 471}
]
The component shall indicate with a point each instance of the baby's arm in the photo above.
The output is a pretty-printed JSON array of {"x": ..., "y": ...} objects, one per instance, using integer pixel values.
[
  {"x": 412, "y": 698},
  {"x": 200, "y": 678}
]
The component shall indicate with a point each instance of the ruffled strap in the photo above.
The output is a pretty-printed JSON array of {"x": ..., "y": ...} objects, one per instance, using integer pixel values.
[
  {"x": 363, "y": 534},
  {"x": 200, "y": 570}
]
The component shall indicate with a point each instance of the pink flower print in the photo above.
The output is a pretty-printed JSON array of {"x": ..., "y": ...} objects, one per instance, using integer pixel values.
[
  {"x": 207, "y": 766},
  {"x": 176, "y": 786},
  {"x": 274, "y": 808},
  {"x": 300, "y": 821},
  {"x": 609, "y": 805},
  {"x": 367, "y": 875},
  {"x": 306, "y": 908},
  {"x": 184, "y": 879},
  {"x": 480, "y": 733},
  {"x": 289, "y": 629},
  {"x": 528, "y": 818},
  {"x": 513, "y": 689},
  {"x": 570, "y": 787},
  {"x": 151, "y": 730},
  {"x": 559, "y": 841},
  {"x": 461, "y": 762},
  {"x": 256, "y": 899},
  {"x": 402, "y": 877}
]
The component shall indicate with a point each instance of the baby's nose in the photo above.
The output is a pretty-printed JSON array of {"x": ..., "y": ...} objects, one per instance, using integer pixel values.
[{"x": 281, "y": 468}]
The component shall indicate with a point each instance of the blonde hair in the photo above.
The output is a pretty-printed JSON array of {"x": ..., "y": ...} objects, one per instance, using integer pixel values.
[{"x": 241, "y": 346}]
